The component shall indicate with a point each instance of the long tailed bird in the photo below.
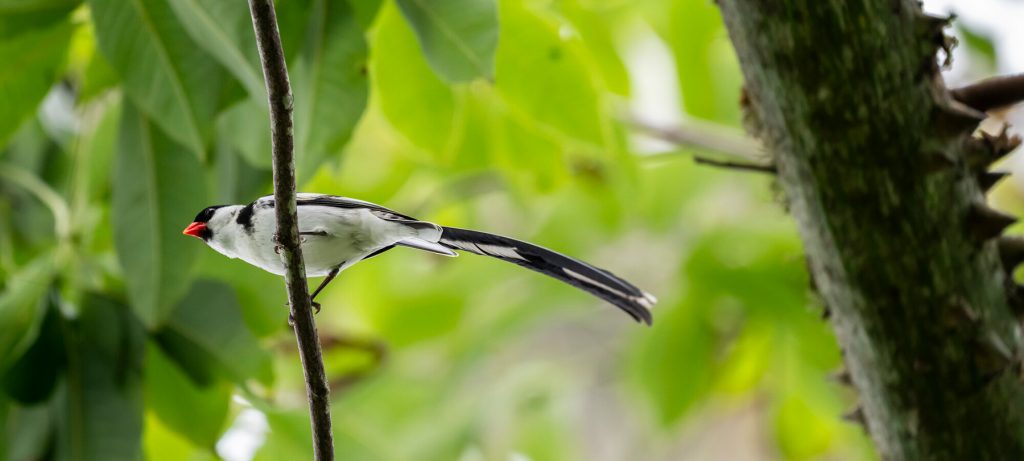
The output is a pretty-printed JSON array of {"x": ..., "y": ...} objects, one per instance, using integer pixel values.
[{"x": 337, "y": 232}]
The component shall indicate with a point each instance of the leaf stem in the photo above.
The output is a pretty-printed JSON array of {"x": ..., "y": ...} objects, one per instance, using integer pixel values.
[
  {"x": 279, "y": 95},
  {"x": 43, "y": 192}
]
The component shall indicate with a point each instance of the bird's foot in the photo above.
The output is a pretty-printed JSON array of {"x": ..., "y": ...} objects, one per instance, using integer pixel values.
[
  {"x": 316, "y": 306},
  {"x": 277, "y": 244}
]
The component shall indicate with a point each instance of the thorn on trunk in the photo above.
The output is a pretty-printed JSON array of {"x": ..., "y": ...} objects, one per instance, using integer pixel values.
[
  {"x": 842, "y": 377},
  {"x": 953, "y": 118},
  {"x": 939, "y": 161},
  {"x": 1015, "y": 298},
  {"x": 931, "y": 30},
  {"x": 1002, "y": 143},
  {"x": 992, "y": 357},
  {"x": 988, "y": 179},
  {"x": 985, "y": 223},
  {"x": 985, "y": 149},
  {"x": 856, "y": 416},
  {"x": 1011, "y": 252}
]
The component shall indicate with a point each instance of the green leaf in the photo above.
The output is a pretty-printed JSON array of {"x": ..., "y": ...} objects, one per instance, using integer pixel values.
[
  {"x": 675, "y": 363},
  {"x": 261, "y": 294},
  {"x": 246, "y": 128},
  {"x": 157, "y": 190},
  {"x": 366, "y": 11},
  {"x": 22, "y": 307},
  {"x": 196, "y": 412},
  {"x": 32, "y": 378},
  {"x": 330, "y": 85},
  {"x": 233, "y": 179},
  {"x": 162, "y": 442},
  {"x": 706, "y": 64},
  {"x": 288, "y": 438},
  {"x": 458, "y": 36},
  {"x": 224, "y": 29},
  {"x": 412, "y": 97},
  {"x": 28, "y": 433},
  {"x": 32, "y": 62},
  {"x": 100, "y": 404},
  {"x": 163, "y": 70},
  {"x": 595, "y": 25},
  {"x": 21, "y": 16},
  {"x": 209, "y": 320}
]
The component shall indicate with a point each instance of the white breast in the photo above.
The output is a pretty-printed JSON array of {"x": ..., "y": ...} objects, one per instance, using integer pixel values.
[{"x": 332, "y": 237}]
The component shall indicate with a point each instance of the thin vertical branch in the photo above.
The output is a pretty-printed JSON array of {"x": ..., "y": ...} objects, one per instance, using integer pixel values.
[{"x": 279, "y": 94}]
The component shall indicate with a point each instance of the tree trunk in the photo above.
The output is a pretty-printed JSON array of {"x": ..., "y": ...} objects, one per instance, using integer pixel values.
[{"x": 880, "y": 169}]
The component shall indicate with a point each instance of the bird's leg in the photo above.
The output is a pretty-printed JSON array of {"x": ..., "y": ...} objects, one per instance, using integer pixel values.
[{"x": 323, "y": 284}]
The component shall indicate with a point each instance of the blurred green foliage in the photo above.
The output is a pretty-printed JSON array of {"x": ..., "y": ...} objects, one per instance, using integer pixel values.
[{"x": 121, "y": 338}]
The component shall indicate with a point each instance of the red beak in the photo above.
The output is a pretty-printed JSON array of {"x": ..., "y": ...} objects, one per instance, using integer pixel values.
[{"x": 195, "y": 229}]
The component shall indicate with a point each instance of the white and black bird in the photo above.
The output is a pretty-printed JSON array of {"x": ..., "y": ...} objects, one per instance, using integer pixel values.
[{"x": 337, "y": 232}]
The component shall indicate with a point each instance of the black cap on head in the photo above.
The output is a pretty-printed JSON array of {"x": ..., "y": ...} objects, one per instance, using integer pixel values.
[{"x": 207, "y": 214}]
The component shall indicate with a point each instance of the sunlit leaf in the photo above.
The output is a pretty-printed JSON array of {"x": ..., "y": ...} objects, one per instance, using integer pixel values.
[
  {"x": 162, "y": 442},
  {"x": 705, "y": 62},
  {"x": 22, "y": 308},
  {"x": 674, "y": 364},
  {"x": 541, "y": 73},
  {"x": 196, "y": 412},
  {"x": 158, "y": 188},
  {"x": 104, "y": 384},
  {"x": 330, "y": 84},
  {"x": 33, "y": 61},
  {"x": 458, "y": 37},
  {"x": 163, "y": 70},
  {"x": 412, "y": 97},
  {"x": 595, "y": 23}
]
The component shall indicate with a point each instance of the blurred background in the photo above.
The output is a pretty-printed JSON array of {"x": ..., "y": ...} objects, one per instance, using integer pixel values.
[{"x": 570, "y": 123}]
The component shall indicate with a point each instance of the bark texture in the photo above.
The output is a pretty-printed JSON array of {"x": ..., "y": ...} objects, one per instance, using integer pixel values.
[
  {"x": 880, "y": 169},
  {"x": 279, "y": 95}
]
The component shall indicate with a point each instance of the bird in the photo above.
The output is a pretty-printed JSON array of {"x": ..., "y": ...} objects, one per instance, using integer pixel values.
[{"x": 338, "y": 232}]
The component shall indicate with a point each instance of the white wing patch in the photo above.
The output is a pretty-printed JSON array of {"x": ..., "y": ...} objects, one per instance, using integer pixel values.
[
  {"x": 487, "y": 250},
  {"x": 427, "y": 246}
]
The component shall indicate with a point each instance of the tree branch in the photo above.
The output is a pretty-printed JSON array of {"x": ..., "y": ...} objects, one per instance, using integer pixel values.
[
  {"x": 992, "y": 93},
  {"x": 741, "y": 166},
  {"x": 279, "y": 94},
  {"x": 706, "y": 136}
]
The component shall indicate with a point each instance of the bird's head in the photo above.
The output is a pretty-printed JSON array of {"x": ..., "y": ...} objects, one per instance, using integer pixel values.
[{"x": 209, "y": 222}]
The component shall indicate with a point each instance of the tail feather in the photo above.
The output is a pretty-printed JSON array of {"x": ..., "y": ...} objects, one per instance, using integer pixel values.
[{"x": 579, "y": 274}]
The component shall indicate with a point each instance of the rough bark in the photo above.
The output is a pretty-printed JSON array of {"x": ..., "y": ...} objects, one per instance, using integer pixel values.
[
  {"x": 279, "y": 95},
  {"x": 880, "y": 170}
]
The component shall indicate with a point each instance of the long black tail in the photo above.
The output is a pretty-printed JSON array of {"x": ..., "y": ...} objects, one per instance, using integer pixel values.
[{"x": 579, "y": 274}]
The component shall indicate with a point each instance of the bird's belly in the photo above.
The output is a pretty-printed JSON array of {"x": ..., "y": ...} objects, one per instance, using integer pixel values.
[{"x": 321, "y": 254}]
